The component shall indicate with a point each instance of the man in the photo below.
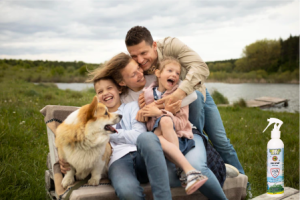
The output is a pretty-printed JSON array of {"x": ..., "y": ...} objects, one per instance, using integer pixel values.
[{"x": 204, "y": 115}]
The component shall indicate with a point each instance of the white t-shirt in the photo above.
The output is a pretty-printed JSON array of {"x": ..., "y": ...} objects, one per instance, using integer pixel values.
[{"x": 134, "y": 96}]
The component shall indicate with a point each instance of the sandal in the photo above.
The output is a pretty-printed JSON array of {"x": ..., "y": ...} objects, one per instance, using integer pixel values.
[{"x": 195, "y": 179}]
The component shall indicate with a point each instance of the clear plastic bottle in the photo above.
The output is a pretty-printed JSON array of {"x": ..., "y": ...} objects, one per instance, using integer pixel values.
[{"x": 275, "y": 161}]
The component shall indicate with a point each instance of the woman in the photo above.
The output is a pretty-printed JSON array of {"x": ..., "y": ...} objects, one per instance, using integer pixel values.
[{"x": 127, "y": 73}]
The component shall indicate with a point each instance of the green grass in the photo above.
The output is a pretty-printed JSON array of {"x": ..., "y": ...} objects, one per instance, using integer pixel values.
[
  {"x": 24, "y": 146},
  {"x": 244, "y": 127},
  {"x": 23, "y": 138}
]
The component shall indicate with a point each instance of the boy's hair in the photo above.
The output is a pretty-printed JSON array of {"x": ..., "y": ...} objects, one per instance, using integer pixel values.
[
  {"x": 108, "y": 78},
  {"x": 137, "y": 34},
  {"x": 167, "y": 60},
  {"x": 112, "y": 69}
]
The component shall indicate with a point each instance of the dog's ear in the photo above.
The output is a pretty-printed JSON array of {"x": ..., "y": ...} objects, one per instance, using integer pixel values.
[{"x": 92, "y": 109}]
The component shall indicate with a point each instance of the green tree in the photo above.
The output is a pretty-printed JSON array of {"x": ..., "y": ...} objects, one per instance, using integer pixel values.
[
  {"x": 57, "y": 71},
  {"x": 263, "y": 54},
  {"x": 82, "y": 70}
]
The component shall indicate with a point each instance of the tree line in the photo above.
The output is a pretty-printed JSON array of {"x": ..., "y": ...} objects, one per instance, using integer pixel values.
[
  {"x": 267, "y": 60},
  {"x": 269, "y": 55}
]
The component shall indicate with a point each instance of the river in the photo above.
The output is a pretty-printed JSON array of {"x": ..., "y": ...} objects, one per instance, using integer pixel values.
[{"x": 234, "y": 92}]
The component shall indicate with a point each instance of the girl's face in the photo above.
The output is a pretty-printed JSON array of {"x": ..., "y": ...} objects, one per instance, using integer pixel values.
[
  {"x": 133, "y": 76},
  {"x": 108, "y": 94},
  {"x": 169, "y": 76}
]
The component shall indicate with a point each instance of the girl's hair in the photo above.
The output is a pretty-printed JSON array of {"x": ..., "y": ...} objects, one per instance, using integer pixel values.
[
  {"x": 167, "y": 60},
  {"x": 112, "y": 69}
]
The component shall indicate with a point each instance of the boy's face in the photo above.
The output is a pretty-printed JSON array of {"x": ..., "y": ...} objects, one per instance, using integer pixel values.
[
  {"x": 108, "y": 94},
  {"x": 144, "y": 54},
  {"x": 169, "y": 76}
]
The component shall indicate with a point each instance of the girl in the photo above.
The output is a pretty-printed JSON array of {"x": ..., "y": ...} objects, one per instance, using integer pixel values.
[{"x": 174, "y": 132}]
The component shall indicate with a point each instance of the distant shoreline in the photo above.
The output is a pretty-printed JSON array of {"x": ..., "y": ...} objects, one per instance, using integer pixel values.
[{"x": 249, "y": 81}]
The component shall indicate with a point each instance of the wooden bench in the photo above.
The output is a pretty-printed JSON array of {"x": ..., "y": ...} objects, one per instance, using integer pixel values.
[
  {"x": 234, "y": 188},
  {"x": 289, "y": 194}
]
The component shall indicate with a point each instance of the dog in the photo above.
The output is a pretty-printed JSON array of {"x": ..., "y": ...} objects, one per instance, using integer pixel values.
[{"x": 83, "y": 141}]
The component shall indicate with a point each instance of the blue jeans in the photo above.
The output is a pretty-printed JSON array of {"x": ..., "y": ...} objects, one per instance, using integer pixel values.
[
  {"x": 146, "y": 164},
  {"x": 197, "y": 158},
  {"x": 205, "y": 116}
]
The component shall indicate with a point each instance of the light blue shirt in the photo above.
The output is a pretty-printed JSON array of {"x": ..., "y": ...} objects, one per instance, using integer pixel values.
[{"x": 124, "y": 141}]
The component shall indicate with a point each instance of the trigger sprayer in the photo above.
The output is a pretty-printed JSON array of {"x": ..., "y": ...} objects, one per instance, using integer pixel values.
[
  {"x": 275, "y": 161},
  {"x": 275, "y": 132}
]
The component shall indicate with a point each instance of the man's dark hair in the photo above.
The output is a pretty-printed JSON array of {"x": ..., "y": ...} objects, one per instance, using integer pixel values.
[{"x": 137, "y": 34}]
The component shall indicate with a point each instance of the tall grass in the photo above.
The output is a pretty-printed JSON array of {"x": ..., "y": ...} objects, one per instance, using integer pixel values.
[
  {"x": 23, "y": 139},
  {"x": 24, "y": 146}
]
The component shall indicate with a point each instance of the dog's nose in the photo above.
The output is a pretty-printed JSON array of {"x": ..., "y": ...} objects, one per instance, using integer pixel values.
[{"x": 120, "y": 116}]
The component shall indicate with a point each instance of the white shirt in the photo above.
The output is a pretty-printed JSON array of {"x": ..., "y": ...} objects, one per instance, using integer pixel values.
[
  {"x": 134, "y": 96},
  {"x": 124, "y": 141}
]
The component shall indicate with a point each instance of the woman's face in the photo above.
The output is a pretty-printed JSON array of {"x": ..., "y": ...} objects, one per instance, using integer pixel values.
[{"x": 133, "y": 76}]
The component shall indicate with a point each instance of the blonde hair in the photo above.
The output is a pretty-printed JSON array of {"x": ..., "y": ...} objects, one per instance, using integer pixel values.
[
  {"x": 111, "y": 70},
  {"x": 167, "y": 60}
]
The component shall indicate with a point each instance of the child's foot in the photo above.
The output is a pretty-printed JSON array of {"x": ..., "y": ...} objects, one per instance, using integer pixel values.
[{"x": 195, "y": 179}]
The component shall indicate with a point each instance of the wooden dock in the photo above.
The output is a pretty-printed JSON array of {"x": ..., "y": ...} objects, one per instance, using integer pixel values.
[{"x": 265, "y": 102}]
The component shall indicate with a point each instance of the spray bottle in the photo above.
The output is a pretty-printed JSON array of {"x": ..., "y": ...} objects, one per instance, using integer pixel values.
[{"x": 275, "y": 161}]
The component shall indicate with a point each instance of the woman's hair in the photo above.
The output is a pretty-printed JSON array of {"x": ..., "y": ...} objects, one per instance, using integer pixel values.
[
  {"x": 111, "y": 70},
  {"x": 167, "y": 60}
]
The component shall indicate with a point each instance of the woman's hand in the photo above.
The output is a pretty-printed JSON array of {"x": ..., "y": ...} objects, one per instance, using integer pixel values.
[
  {"x": 141, "y": 100},
  {"x": 140, "y": 116},
  {"x": 151, "y": 111},
  {"x": 64, "y": 166},
  {"x": 173, "y": 107}
]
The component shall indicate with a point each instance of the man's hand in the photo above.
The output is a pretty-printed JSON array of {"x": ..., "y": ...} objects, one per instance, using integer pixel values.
[
  {"x": 141, "y": 100},
  {"x": 152, "y": 111},
  {"x": 64, "y": 166},
  {"x": 179, "y": 94},
  {"x": 173, "y": 107},
  {"x": 140, "y": 116}
]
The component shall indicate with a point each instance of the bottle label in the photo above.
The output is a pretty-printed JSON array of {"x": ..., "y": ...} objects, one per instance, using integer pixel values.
[{"x": 275, "y": 172}]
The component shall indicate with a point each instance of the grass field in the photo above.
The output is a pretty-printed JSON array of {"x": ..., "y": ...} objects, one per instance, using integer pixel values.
[{"x": 24, "y": 147}]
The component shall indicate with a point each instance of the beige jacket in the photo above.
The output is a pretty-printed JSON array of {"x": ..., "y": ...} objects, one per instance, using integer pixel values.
[{"x": 194, "y": 69}]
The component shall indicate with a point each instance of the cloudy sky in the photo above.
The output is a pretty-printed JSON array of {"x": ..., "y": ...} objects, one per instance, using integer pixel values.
[{"x": 94, "y": 31}]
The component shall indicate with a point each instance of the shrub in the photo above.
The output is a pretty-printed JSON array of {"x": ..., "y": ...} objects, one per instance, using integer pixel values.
[
  {"x": 240, "y": 103},
  {"x": 219, "y": 98}
]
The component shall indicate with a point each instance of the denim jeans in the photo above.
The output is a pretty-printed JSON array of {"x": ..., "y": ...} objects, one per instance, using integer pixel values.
[
  {"x": 146, "y": 164},
  {"x": 205, "y": 116},
  {"x": 197, "y": 158}
]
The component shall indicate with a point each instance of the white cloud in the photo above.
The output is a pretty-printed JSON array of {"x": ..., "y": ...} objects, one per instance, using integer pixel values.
[{"x": 94, "y": 31}]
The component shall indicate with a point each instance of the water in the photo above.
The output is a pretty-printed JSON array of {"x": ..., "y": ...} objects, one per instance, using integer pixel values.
[{"x": 234, "y": 92}]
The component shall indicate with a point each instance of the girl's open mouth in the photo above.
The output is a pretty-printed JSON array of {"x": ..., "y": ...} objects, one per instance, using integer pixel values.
[{"x": 171, "y": 81}]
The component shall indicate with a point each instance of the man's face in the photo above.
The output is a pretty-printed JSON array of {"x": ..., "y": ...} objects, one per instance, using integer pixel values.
[{"x": 144, "y": 54}]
